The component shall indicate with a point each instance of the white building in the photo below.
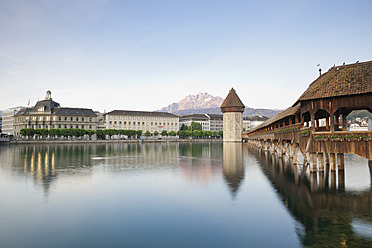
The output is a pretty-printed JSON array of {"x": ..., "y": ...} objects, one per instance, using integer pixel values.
[
  {"x": 141, "y": 120},
  {"x": 8, "y": 120},
  {"x": 209, "y": 122},
  {"x": 250, "y": 122}
]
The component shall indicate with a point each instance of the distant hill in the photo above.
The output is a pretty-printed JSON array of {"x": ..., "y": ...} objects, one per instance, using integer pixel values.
[{"x": 204, "y": 103}]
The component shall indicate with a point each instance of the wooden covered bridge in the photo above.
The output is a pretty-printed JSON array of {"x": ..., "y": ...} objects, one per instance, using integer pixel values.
[{"x": 315, "y": 124}]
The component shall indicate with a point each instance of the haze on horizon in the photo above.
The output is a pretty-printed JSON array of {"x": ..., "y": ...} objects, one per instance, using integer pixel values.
[{"x": 145, "y": 55}]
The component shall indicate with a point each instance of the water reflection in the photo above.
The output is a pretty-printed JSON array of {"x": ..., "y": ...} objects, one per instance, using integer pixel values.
[
  {"x": 233, "y": 169},
  {"x": 200, "y": 162},
  {"x": 328, "y": 214}
]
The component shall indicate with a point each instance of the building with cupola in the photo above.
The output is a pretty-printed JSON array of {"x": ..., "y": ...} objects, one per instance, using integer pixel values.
[{"x": 49, "y": 114}]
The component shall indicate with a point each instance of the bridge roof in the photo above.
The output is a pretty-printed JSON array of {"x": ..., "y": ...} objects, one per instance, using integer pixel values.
[
  {"x": 288, "y": 112},
  {"x": 342, "y": 80}
]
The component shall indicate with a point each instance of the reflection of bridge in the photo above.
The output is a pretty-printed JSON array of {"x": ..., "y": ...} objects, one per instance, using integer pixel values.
[
  {"x": 322, "y": 206},
  {"x": 316, "y": 124}
]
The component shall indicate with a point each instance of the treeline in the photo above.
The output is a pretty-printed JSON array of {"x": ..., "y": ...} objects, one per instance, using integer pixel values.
[{"x": 101, "y": 134}]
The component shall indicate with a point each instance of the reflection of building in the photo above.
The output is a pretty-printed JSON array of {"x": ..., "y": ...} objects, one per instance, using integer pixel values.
[
  {"x": 141, "y": 120},
  {"x": 200, "y": 162},
  {"x": 49, "y": 115},
  {"x": 209, "y": 122},
  {"x": 232, "y": 109},
  {"x": 233, "y": 169}
]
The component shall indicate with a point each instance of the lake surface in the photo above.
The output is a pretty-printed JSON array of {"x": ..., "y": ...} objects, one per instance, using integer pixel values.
[{"x": 177, "y": 195}]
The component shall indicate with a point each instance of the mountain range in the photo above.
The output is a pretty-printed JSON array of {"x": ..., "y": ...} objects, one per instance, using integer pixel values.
[{"x": 204, "y": 103}]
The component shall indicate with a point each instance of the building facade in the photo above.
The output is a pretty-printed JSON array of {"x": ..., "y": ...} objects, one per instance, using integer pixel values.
[
  {"x": 250, "y": 122},
  {"x": 209, "y": 122},
  {"x": 8, "y": 120},
  {"x": 49, "y": 115},
  {"x": 141, "y": 120}
]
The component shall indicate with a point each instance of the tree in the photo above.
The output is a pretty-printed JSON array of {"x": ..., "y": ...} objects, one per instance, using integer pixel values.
[
  {"x": 172, "y": 133},
  {"x": 220, "y": 133},
  {"x": 184, "y": 127},
  {"x": 208, "y": 133},
  {"x": 196, "y": 126},
  {"x": 147, "y": 133},
  {"x": 164, "y": 133},
  {"x": 156, "y": 133},
  {"x": 139, "y": 133}
]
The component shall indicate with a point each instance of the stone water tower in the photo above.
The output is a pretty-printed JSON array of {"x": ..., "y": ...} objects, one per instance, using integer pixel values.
[{"x": 232, "y": 109}]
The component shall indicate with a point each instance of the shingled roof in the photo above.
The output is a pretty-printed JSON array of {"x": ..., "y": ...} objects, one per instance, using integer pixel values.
[
  {"x": 342, "y": 80},
  {"x": 232, "y": 103},
  {"x": 285, "y": 113}
]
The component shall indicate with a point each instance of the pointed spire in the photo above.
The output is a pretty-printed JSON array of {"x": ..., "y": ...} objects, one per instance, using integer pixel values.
[{"x": 232, "y": 103}]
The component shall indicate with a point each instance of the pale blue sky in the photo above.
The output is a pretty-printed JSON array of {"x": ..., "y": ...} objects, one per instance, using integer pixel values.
[{"x": 144, "y": 55}]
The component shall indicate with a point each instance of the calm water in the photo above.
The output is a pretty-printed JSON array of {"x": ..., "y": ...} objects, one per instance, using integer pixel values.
[{"x": 177, "y": 195}]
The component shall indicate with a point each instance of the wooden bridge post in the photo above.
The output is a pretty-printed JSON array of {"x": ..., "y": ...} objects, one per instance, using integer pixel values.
[
  {"x": 313, "y": 182},
  {"x": 332, "y": 161},
  {"x": 321, "y": 180},
  {"x": 321, "y": 161},
  {"x": 333, "y": 180},
  {"x": 295, "y": 152},
  {"x": 326, "y": 155},
  {"x": 280, "y": 153},
  {"x": 341, "y": 179},
  {"x": 340, "y": 161},
  {"x": 313, "y": 162},
  {"x": 291, "y": 153}
]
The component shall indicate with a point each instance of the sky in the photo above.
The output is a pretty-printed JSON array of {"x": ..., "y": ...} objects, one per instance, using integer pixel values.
[{"x": 147, "y": 54}]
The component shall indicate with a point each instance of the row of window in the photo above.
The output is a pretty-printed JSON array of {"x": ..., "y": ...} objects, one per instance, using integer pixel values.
[
  {"x": 60, "y": 118},
  {"x": 60, "y": 126},
  {"x": 139, "y": 123},
  {"x": 119, "y": 117}
]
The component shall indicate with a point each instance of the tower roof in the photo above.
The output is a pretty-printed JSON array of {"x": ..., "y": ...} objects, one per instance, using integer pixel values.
[{"x": 232, "y": 103}]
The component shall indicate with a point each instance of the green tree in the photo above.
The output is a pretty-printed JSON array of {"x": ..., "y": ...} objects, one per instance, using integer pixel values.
[
  {"x": 164, "y": 133},
  {"x": 208, "y": 133},
  {"x": 220, "y": 133},
  {"x": 195, "y": 126},
  {"x": 172, "y": 133},
  {"x": 147, "y": 133},
  {"x": 215, "y": 134},
  {"x": 138, "y": 133},
  {"x": 184, "y": 127},
  {"x": 156, "y": 133}
]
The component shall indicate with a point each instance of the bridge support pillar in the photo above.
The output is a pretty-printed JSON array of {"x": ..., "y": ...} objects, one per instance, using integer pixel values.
[
  {"x": 326, "y": 155},
  {"x": 321, "y": 180},
  {"x": 321, "y": 161},
  {"x": 313, "y": 182},
  {"x": 333, "y": 180},
  {"x": 291, "y": 153},
  {"x": 340, "y": 161},
  {"x": 313, "y": 162},
  {"x": 341, "y": 179},
  {"x": 272, "y": 147},
  {"x": 332, "y": 161},
  {"x": 280, "y": 153},
  {"x": 295, "y": 152}
]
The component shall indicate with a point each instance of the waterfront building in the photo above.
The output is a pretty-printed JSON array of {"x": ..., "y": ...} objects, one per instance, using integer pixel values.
[
  {"x": 49, "y": 114},
  {"x": 250, "y": 122},
  {"x": 209, "y": 122},
  {"x": 232, "y": 109},
  {"x": 141, "y": 120},
  {"x": 8, "y": 120}
]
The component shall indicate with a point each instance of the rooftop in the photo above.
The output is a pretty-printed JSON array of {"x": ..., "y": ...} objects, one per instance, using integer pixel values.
[{"x": 341, "y": 81}]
